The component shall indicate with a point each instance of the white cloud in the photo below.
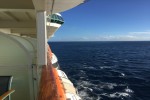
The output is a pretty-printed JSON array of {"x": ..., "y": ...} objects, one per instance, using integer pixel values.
[
  {"x": 140, "y": 33},
  {"x": 85, "y": 38},
  {"x": 131, "y": 36},
  {"x": 118, "y": 38}
]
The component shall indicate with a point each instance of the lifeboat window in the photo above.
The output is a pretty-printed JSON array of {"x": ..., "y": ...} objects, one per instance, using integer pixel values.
[
  {"x": 56, "y": 65},
  {"x": 65, "y": 76}
]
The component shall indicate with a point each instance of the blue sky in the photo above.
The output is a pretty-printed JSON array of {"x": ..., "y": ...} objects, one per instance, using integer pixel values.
[{"x": 106, "y": 20}]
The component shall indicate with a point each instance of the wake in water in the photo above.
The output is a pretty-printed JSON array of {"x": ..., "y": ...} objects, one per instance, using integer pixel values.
[{"x": 97, "y": 90}]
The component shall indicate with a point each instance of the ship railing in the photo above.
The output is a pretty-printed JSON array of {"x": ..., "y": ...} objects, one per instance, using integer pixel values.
[
  {"x": 6, "y": 94},
  {"x": 5, "y": 87}
]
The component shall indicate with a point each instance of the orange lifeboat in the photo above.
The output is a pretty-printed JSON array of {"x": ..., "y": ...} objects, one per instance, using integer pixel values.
[
  {"x": 51, "y": 87},
  {"x": 55, "y": 84}
]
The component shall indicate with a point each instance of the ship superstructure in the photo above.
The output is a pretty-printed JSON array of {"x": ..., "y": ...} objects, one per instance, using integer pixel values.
[{"x": 25, "y": 26}]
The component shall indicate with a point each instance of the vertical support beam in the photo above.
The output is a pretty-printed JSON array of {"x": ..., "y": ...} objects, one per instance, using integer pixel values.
[{"x": 41, "y": 38}]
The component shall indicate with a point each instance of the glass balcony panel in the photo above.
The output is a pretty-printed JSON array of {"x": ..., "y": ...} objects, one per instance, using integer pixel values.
[{"x": 55, "y": 19}]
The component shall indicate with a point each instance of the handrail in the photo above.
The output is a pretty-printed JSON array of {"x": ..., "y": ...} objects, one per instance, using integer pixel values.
[
  {"x": 50, "y": 84},
  {"x": 2, "y": 97}
]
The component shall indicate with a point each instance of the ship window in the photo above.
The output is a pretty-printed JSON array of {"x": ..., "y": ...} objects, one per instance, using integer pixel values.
[
  {"x": 58, "y": 17},
  {"x": 52, "y": 20},
  {"x": 61, "y": 22},
  {"x": 52, "y": 16},
  {"x": 55, "y": 19},
  {"x": 61, "y": 18}
]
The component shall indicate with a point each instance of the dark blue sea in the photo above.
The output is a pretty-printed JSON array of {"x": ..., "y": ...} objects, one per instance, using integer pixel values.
[{"x": 106, "y": 70}]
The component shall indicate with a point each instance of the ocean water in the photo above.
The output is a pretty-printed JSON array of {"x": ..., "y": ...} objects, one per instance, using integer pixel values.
[{"x": 106, "y": 70}]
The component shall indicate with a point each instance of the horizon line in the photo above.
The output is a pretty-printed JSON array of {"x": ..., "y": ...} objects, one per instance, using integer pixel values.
[{"x": 105, "y": 41}]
